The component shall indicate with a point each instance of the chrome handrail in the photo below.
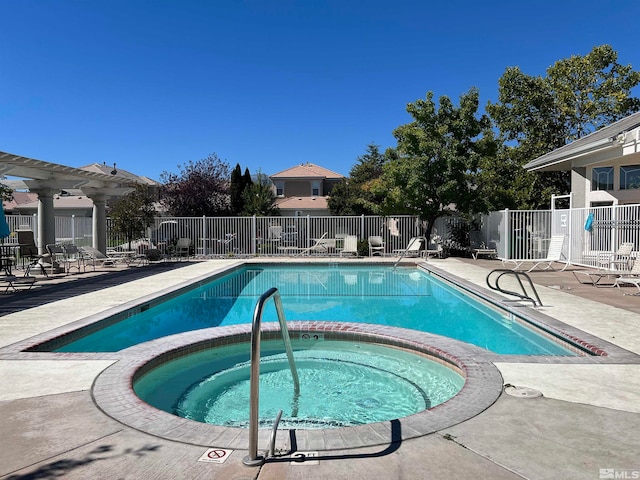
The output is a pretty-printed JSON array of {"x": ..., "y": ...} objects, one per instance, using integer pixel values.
[
  {"x": 253, "y": 459},
  {"x": 524, "y": 295}
]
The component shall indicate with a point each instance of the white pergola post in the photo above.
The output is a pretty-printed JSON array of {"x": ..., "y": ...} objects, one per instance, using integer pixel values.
[
  {"x": 46, "y": 220},
  {"x": 99, "y": 225}
]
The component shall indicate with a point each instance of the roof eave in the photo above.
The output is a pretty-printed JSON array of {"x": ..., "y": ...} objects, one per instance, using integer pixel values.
[{"x": 539, "y": 164}]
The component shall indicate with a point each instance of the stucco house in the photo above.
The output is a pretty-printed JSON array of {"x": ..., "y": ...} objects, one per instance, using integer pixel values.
[
  {"x": 304, "y": 189},
  {"x": 605, "y": 165}
]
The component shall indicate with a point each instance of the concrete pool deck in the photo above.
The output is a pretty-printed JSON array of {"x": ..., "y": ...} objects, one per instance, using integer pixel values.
[{"x": 586, "y": 420}]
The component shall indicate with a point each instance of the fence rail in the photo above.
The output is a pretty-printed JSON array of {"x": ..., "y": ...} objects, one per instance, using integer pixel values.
[{"x": 515, "y": 234}]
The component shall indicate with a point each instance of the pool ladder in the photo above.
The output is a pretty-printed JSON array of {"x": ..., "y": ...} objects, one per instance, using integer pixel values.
[
  {"x": 524, "y": 295},
  {"x": 253, "y": 459}
]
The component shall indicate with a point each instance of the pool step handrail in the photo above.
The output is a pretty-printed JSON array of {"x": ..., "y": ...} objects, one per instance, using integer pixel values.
[
  {"x": 274, "y": 432},
  {"x": 524, "y": 295},
  {"x": 253, "y": 459}
]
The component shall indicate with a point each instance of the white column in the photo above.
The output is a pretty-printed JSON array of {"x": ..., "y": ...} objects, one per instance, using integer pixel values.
[
  {"x": 46, "y": 217},
  {"x": 99, "y": 230}
]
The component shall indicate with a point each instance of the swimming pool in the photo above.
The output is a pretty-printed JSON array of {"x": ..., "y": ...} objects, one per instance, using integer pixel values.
[
  {"x": 402, "y": 297},
  {"x": 342, "y": 384}
]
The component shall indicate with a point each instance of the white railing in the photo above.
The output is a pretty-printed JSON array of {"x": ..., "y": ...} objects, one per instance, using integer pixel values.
[{"x": 522, "y": 234}]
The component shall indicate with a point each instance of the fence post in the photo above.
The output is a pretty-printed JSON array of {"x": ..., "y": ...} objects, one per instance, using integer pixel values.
[
  {"x": 254, "y": 236},
  {"x": 507, "y": 239},
  {"x": 73, "y": 229}
]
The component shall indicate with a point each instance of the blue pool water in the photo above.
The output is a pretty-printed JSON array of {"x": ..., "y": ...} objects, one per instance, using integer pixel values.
[
  {"x": 405, "y": 297},
  {"x": 341, "y": 384}
]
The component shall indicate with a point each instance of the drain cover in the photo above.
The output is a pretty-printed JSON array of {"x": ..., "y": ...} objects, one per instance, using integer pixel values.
[{"x": 522, "y": 392}]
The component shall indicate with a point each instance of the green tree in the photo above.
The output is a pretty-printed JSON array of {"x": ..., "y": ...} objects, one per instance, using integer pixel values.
[
  {"x": 536, "y": 115},
  {"x": 246, "y": 179},
  {"x": 357, "y": 194},
  {"x": 235, "y": 190},
  {"x": 432, "y": 170},
  {"x": 200, "y": 189},
  {"x": 259, "y": 198},
  {"x": 6, "y": 193},
  {"x": 132, "y": 214}
]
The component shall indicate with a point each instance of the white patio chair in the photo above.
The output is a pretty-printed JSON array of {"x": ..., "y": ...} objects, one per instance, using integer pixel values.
[
  {"x": 350, "y": 245},
  {"x": 376, "y": 246}
]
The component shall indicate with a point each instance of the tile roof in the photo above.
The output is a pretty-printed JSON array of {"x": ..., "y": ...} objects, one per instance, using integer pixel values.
[
  {"x": 307, "y": 170},
  {"x": 303, "y": 203}
]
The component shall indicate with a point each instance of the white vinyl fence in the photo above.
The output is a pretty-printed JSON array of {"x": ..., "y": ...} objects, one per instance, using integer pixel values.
[{"x": 521, "y": 234}]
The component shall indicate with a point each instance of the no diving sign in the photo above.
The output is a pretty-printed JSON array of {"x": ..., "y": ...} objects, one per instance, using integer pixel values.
[{"x": 215, "y": 455}]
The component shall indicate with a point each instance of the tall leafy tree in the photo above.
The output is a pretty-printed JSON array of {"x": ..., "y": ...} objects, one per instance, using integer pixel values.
[
  {"x": 535, "y": 115},
  {"x": 200, "y": 188},
  {"x": 132, "y": 214},
  {"x": 259, "y": 198},
  {"x": 357, "y": 195},
  {"x": 432, "y": 170}
]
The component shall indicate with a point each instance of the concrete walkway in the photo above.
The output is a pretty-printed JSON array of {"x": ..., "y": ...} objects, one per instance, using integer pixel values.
[{"x": 586, "y": 420}]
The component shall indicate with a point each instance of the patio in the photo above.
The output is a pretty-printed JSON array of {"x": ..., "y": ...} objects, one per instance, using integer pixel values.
[{"x": 586, "y": 420}]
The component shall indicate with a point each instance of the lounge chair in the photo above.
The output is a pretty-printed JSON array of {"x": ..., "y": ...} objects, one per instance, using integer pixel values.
[
  {"x": 94, "y": 256},
  {"x": 620, "y": 260},
  {"x": 320, "y": 245},
  {"x": 630, "y": 278},
  {"x": 478, "y": 247},
  {"x": 412, "y": 250},
  {"x": 350, "y": 245},
  {"x": 224, "y": 244},
  {"x": 554, "y": 254},
  {"x": 376, "y": 246},
  {"x": 595, "y": 277}
]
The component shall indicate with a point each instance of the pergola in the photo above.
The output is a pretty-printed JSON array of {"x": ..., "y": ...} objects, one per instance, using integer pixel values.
[{"x": 48, "y": 179}]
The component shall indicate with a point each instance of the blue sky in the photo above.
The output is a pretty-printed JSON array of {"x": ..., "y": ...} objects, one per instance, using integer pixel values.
[{"x": 268, "y": 84}]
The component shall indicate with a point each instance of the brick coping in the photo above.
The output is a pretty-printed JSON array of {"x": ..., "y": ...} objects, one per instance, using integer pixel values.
[{"x": 113, "y": 389}]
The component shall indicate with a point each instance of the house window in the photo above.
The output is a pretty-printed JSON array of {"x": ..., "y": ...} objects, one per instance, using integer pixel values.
[
  {"x": 315, "y": 188},
  {"x": 602, "y": 178},
  {"x": 279, "y": 189},
  {"x": 630, "y": 177}
]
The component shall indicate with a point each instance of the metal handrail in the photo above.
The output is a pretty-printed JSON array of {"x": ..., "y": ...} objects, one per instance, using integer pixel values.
[
  {"x": 524, "y": 295},
  {"x": 253, "y": 459}
]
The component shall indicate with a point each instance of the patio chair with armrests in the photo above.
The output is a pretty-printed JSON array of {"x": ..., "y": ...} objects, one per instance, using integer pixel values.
[
  {"x": 28, "y": 251},
  {"x": 76, "y": 258},
  {"x": 376, "y": 246},
  {"x": 182, "y": 248}
]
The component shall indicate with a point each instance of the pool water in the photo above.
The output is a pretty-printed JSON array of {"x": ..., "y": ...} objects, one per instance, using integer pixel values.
[
  {"x": 341, "y": 384},
  {"x": 404, "y": 297}
]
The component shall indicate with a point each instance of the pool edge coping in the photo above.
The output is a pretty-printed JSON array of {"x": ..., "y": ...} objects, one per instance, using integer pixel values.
[{"x": 113, "y": 389}]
